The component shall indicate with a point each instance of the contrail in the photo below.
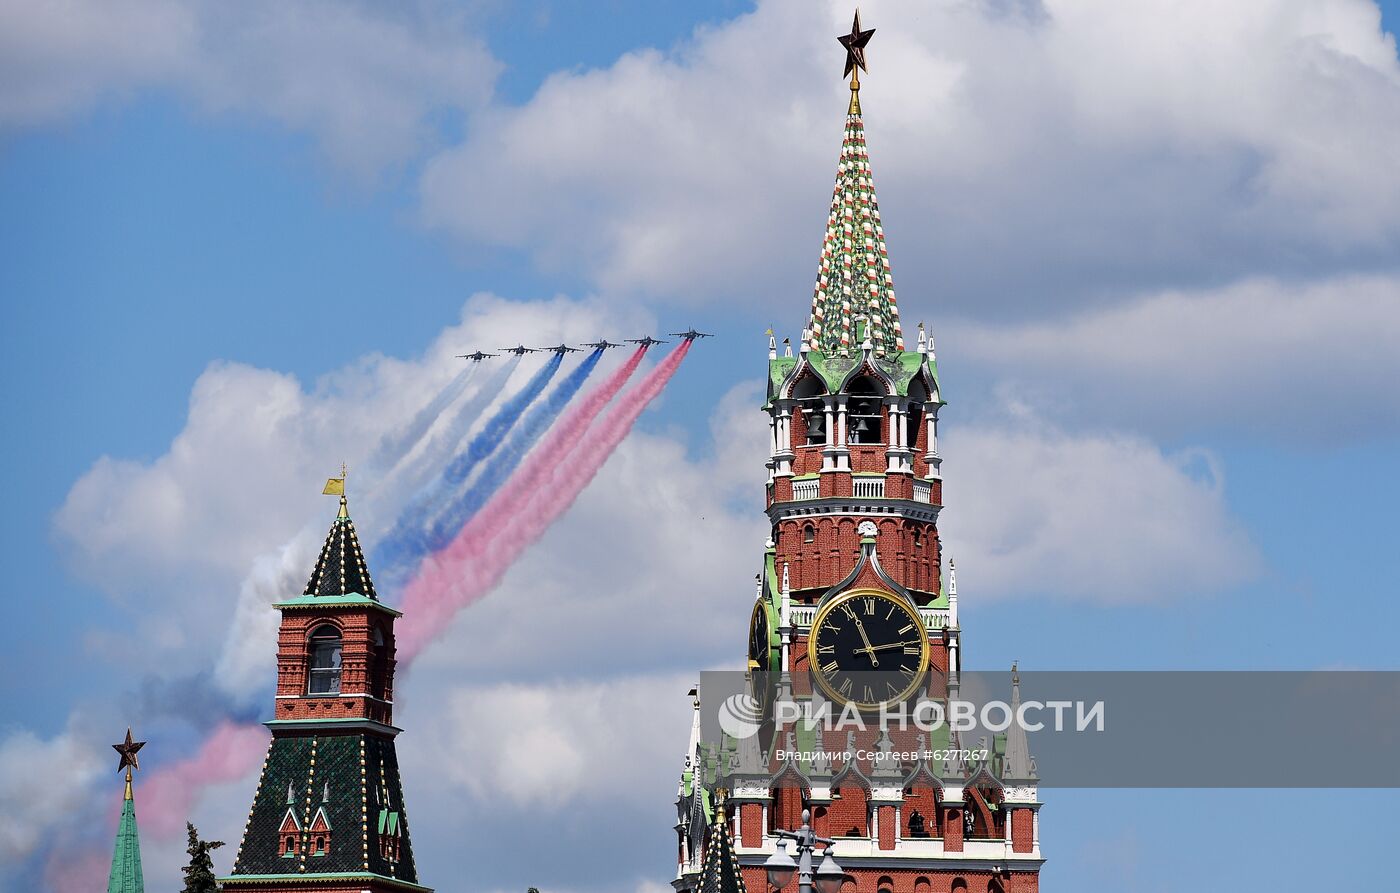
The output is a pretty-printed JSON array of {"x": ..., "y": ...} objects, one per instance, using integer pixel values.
[
  {"x": 407, "y": 542},
  {"x": 474, "y": 563},
  {"x": 395, "y": 445},
  {"x": 412, "y": 472},
  {"x": 234, "y": 748},
  {"x": 509, "y": 456},
  {"x": 562, "y": 439}
]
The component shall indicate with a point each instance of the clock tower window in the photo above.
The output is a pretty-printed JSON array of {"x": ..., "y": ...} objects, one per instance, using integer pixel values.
[
  {"x": 866, "y": 415},
  {"x": 325, "y": 649}
]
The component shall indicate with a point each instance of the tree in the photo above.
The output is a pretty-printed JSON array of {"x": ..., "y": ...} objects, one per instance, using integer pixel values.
[{"x": 199, "y": 874}]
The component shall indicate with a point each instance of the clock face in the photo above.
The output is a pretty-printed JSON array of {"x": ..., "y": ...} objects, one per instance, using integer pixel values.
[
  {"x": 867, "y": 648},
  {"x": 763, "y": 678},
  {"x": 760, "y": 636}
]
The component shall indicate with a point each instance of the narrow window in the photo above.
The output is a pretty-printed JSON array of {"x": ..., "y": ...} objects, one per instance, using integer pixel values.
[
  {"x": 324, "y": 677},
  {"x": 865, "y": 414},
  {"x": 809, "y": 534},
  {"x": 291, "y": 847}
]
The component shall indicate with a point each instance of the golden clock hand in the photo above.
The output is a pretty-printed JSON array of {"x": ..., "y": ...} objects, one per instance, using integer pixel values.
[{"x": 869, "y": 649}]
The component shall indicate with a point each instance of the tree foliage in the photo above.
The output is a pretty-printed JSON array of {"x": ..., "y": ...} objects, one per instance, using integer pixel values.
[{"x": 199, "y": 874}]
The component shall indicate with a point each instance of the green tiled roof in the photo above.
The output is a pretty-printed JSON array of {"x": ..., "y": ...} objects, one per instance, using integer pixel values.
[
  {"x": 901, "y": 367},
  {"x": 352, "y": 776},
  {"x": 353, "y": 599},
  {"x": 361, "y": 876}
]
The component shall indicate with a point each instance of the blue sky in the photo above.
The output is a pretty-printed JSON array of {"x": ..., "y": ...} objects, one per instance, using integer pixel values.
[{"x": 1062, "y": 192}]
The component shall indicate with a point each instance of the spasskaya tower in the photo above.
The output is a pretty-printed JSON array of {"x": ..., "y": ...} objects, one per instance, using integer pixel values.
[{"x": 856, "y": 606}]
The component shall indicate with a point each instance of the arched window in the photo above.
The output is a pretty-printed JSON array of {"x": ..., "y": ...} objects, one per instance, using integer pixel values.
[
  {"x": 808, "y": 393},
  {"x": 324, "y": 677},
  {"x": 983, "y": 818},
  {"x": 918, "y": 398},
  {"x": 809, "y": 533},
  {"x": 863, "y": 411},
  {"x": 378, "y": 665},
  {"x": 959, "y": 884},
  {"x": 320, "y": 846},
  {"x": 885, "y": 885},
  {"x": 290, "y": 846}
]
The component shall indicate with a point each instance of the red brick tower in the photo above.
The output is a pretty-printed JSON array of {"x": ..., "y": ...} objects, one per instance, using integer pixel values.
[
  {"x": 328, "y": 814},
  {"x": 853, "y": 607}
]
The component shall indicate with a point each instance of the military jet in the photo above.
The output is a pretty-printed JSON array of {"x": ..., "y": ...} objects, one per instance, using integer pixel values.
[
  {"x": 600, "y": 345},
  {"x": 690, "y": 334},
  {"x": 561, "y": 348},
  {"x": 520, "y": 350},
  {"x": 475, "y": 357},
  {"x": 647, "y": 341}
]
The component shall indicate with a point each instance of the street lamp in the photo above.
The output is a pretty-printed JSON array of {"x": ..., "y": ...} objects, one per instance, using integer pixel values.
[{"x": 828, "y": 877}]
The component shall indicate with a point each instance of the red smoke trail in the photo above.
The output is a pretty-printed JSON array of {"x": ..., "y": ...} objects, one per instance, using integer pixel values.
[
  {"x": 420, "y": 624},
  {"x": 539, "y": 492},
  {"x": 476, "y": 560},
  {"x": 165, "y": 799}
]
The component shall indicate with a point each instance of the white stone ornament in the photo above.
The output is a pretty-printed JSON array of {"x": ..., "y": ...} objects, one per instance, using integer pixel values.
[{"x": 867, "y": 528}]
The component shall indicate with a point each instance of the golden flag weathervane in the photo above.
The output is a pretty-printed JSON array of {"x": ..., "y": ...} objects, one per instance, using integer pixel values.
[{"x": 336, "y": 487}]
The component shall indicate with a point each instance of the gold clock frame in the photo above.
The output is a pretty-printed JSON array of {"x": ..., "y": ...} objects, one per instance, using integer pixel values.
[{"x": 813, "y": 666}]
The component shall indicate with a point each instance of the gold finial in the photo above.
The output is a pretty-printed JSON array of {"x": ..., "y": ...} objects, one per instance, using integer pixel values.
[
  {"x": 721, "y": 794},
  {"x": 855, "y": 59},
  {"x": 129, "y": 762}
]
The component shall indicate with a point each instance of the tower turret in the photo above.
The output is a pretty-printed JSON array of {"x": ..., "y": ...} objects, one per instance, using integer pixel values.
[
  {"x": 328, "y": 813},
  {"x": 853, "y": 608}
]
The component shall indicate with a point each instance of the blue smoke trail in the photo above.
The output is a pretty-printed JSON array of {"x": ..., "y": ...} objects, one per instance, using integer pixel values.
[
  {"x": 393, "y": 447},
  {"x": 410, "y": 477},
  {"x": 406, "y": 542},
  {"x": 489, "y": 440},
  {"x": 509, "y": 456}
]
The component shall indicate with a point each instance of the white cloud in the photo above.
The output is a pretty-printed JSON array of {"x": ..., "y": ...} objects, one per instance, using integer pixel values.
[
  {"x": 1106, "y": 517},
  {"x": 366, "y": 80},
  {"x": 49, "y": 781},
  {"x": 225, "y": 510},
  {"x": 579, "y": 661},
  {"x": 556, "y": 745},
  {"x": 1026, "y": 153},
  {"x": 1290, "y": 363}
]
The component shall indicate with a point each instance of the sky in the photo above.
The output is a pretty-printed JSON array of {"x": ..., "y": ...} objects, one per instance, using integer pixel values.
[{"x": 1158, "y": 244}]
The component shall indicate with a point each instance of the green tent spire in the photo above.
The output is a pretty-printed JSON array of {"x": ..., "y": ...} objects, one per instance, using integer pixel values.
[
  {"x": 126, "y": 856},
  {"x": 854, "y": 282}
]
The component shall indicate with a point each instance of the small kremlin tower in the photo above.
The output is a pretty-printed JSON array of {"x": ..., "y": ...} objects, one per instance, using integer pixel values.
[
  {"x": 854, "y": 607},
  {"x": 328, "y": 814},
  {"x": 126, "y": 855}
]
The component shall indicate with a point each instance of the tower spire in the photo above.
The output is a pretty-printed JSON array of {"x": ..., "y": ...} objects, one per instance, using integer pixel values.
[
  {"x": 126, "y": 875},
  {"x": 341, "y": 569},
  {"x": 853, "y": 278}
]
